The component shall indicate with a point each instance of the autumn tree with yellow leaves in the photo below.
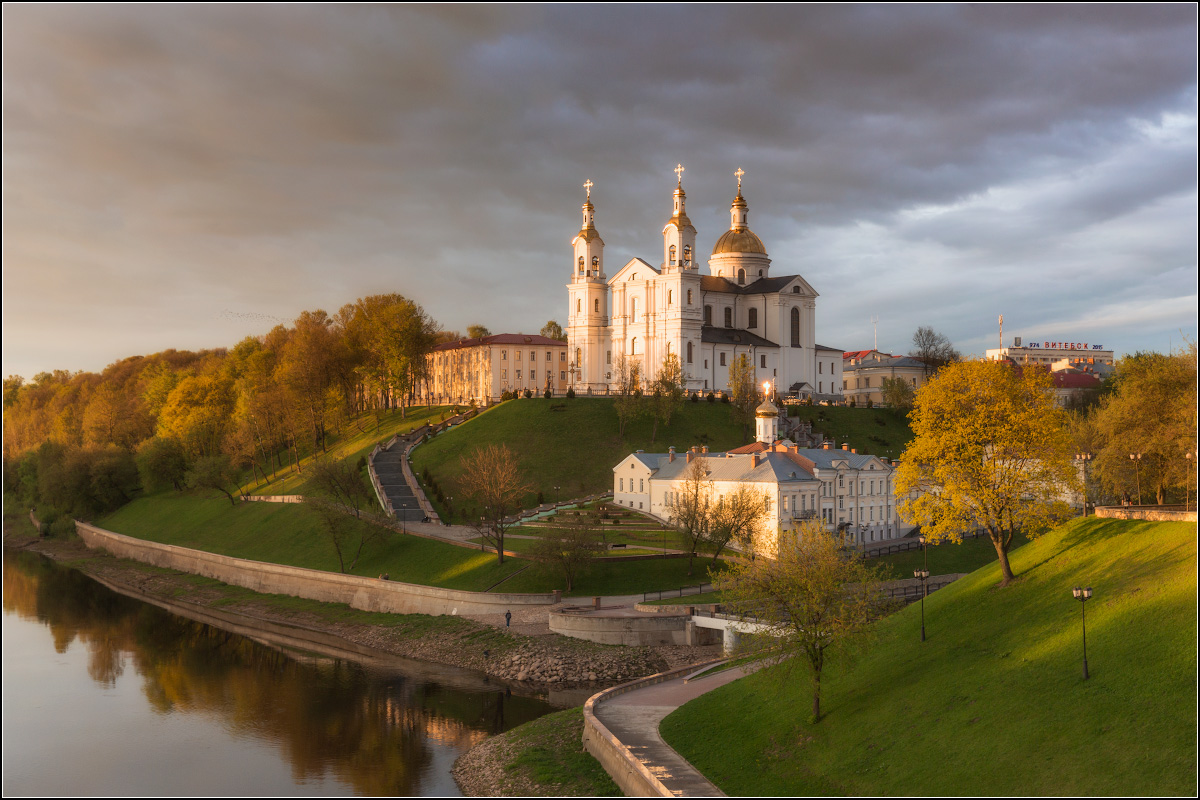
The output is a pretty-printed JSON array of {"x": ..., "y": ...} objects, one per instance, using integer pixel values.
[{"x": 990, "y": 450}]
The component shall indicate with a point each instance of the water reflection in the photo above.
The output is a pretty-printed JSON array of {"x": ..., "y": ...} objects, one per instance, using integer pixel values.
[{"x": 377, "y": 731}]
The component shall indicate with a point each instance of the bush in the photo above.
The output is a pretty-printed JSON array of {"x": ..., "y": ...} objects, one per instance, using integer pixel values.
[
  {"x": 571, "y": 393},
  {"x": 711, "y": 397},
  {"x": 547, "y": 393},
  {"x": 870, "y": 403},
  {"x": 507, "y": 395},
  {"x": 696, "y": 397},
  {"x": 528, "y": 394},
  {"x": 362, "y": 463},
  {"x": 724, "y": 398},
  {"x": 852, "y": 402}
]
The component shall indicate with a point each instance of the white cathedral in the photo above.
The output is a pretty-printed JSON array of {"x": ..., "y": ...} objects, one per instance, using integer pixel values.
[{"x": 706, "y": 320}]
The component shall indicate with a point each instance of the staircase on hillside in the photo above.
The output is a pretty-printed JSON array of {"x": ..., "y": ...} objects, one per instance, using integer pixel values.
[{"x": 391, "y": 478}]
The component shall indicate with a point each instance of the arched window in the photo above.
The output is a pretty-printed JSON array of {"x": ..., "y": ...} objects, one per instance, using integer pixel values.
[
  {"x": 689, "y": 297},
  {"x": 581, "y": 265},
  {"x": 687, "y": 255},
  {"x": 633, "y": 309},
  {"x": 760, "y": 273},
  {"x": 596, "y": 304},
  {"x": 708, "y": 315},
  {"x": 795, "y": 290},
  {"x": 670, "y": 296},
  {"x": 672, "y": 251},
  {"x": 728, "y": 317},
  {"x": 689, "y": 352},
  {"x": 741, "y": 276},
  {"x": 633, "y": 346},
  {"x": 753, "y": 318},
  {"x": 578, "y": 356},
  {"x": 578, "y": 306},
  {"x": 795, "y": 327}
]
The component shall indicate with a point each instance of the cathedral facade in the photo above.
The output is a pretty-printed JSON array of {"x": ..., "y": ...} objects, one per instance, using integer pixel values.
[{"x": 645, "y": 312}]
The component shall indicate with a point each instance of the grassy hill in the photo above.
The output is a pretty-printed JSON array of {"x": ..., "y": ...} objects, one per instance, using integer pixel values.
[
  {"x": 356, "y": 439},
  {"x": 568, "y": 443},
  {"x": 880, "y": 432},
  {"x": 993, "y": 702}
]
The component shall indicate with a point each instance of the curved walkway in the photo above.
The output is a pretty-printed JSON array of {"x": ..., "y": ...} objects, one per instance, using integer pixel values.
[{"x": 633, "y": 717}]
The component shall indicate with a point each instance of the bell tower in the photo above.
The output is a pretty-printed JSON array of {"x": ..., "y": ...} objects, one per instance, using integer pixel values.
[
  {"x": 679, "y": 237},
  {"x": 587, "y": 315}
]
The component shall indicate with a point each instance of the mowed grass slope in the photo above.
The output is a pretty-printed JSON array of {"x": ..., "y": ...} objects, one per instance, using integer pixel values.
[
  {"x": 880, "y": 432},
  {"x": 292, "y": 534},
  {"x": 357, "y": 438},
  {"x": 572, "y": 444},
  {"x": 994, "y": 702}
]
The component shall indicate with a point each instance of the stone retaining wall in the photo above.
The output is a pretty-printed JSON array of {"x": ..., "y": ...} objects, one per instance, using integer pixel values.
[
  {"x": 272, "y": 498},
  {"x": 636, "y": 631},
  {"x": 368, "y": 594},
  {"x": 1152, "y": 513},
  {"x": 630, "y": 774}
]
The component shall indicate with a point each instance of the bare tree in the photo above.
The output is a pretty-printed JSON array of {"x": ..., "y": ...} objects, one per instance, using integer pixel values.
[
  {"x": 933, "y": 349},
  {"x": 736, "y": 516},
  {"x": 572, "y": 548},
  {"x": 341, "y": 499},
  {"x": 743, "y": 390},
  {"x": 630, "y": 404},
  {"x": 812, "y": 599},
  {"x": 688, "y": 508},
  {"x": 491, "y": 479},
  {"x": 340, "y": 482},
  {"x": 668, "y": 392}
]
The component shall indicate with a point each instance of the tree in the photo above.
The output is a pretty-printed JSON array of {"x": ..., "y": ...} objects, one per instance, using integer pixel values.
[
  {"x": 477, "y": 331},
  {"x": 1152, "y": 412},
  {"x": 161, "y": 463},
  {"x": 668, "y": 392},
  {"x": 628, "y": 386},
  {"x": 338, "y": 481},
  {"x": 743, "y": 390},
  {"x": 212, "y": 472},
  {"x": 812, "y": 598},
  {"x": 933, "y": 349},
  {"x": 570, "y": 549},
  {"x": 687, "y": 508},
  {"x": 990, "y": 449},
  {"x": 736, "y": 516},
  {"x": 552, "y": 330},
  {"x": 897, "y": 394},
  {"x": 492, "y": 480}
]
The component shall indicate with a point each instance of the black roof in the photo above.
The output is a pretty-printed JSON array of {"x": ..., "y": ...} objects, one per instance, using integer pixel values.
[
  {"x": 714, "y": 335},
  {"x": 710, "y": 283}
]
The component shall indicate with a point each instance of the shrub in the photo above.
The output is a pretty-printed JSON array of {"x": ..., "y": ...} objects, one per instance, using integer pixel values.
[
  {"x": 852, "y": 402},
  {"x": 711, "y": 397},
  {"x": 547, "y": 394},
  {"x": 870, "y": 403},
  {"x": 696, "y": 397},
  {"x": 724, "y": 398},
  {"x": 528, "y": 394},
  {"x": 571, "y": 393},
  {"x": 362, "y": 463}
]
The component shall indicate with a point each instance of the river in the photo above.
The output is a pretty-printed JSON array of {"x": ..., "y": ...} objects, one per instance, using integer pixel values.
[{"x": 107, "y": 695}]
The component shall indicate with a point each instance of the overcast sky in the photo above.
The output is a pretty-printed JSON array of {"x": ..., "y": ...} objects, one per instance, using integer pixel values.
[{"x": 186, "y": 176}]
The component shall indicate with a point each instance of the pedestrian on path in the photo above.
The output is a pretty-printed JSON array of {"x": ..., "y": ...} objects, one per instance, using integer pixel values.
[{"x": 507, "y": 618}]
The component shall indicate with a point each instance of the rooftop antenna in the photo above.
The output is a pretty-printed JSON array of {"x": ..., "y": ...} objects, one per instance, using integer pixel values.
[{"x": 875, "y": 325}]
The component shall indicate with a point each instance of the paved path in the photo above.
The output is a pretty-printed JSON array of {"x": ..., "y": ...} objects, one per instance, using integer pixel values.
[{"x": 634, "y": 718}]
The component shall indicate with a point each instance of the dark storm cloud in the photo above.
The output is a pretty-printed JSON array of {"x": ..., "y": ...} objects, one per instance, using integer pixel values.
[{"x": 173, "y": 162}]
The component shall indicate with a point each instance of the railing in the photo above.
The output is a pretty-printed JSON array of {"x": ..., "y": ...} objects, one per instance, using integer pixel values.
[
  {"x": 682, "y": 591},
  {"x": 912, "y": 593}
]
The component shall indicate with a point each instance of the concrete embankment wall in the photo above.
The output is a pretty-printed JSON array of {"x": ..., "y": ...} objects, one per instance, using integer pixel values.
[
  {"x": 634, "y": 631},
  {"x": 368, "y": 594},
  {"x": 630, "y": 774},
  {"x": 1152, "y": 513}
]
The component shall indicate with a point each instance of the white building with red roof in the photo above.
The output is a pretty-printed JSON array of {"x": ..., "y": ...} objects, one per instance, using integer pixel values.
[{"x": 484, "y": 369}]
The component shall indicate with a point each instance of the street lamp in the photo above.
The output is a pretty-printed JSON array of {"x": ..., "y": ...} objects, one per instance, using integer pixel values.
[
  {"x": 1136, "y": 458},
  {"x": 922, "y": 575},
  {"x": 1083, "y": 595},
  {"x": 556, "y": 488},
  {"x": 1083, "y": 459}
]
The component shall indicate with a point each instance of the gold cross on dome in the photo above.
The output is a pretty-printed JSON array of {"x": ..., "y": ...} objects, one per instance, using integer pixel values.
[
  {"x": 588, "y": 185},
  {"x": 679, "y": 173},
  {"x": 740, "y": 172}
]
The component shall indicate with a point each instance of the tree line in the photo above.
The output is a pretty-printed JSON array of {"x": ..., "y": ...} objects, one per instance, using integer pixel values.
[{"x": 84, "y": 442}]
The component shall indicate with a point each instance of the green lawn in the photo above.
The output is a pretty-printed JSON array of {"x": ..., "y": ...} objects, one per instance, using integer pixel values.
[
  {"x": 994, "y": 702},
  {"x": 356, "y": 440},
  {"x": 292, "y": 534},
  {"x": 947, "y": 557},
  {"x": 616, "y": 578},
  {"x": 877, "y": 431},
  {"x": 572, "y": 444}
]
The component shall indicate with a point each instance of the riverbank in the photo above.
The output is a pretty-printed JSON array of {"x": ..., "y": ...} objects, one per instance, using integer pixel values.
[{"x": 537, "y": 661}]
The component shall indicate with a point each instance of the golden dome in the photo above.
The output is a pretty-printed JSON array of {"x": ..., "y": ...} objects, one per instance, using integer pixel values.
[{"x": 739, "y": 241}]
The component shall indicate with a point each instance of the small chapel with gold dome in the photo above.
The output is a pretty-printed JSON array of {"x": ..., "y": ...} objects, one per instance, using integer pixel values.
[{"x": 644, "y": 312}]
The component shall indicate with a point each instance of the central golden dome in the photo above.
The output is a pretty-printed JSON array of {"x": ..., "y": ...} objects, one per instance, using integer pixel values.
[{"x": 741, "y": 240}]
